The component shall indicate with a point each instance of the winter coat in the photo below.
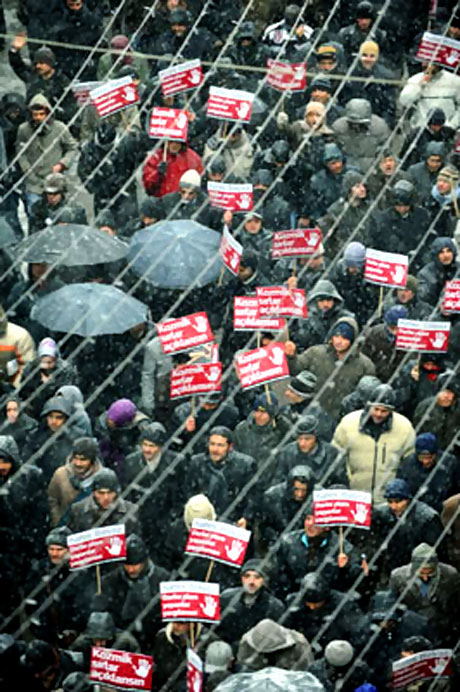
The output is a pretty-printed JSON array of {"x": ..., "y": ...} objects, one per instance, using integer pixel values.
[
  {"x": 35, "y": 392},
  {"x": 155, "y": 372},
  {"x": 359, "y": 296},
  {"x": 297, "y": 556},
  {"x": 351, "y": 37},
  {"x": 419, "y": 138},
  {"x": 16, "y": 349},
  {"x": 197, "y": 209},
  {"x": 409, "y": 392},
  {"x": 433, "y": 485},
  {"x": 261, "y": 442},
  {"x": 380, "y": 346},
  {"x": 360, "y": 146},
  {"x": 238, "y": 617},
  {"x": 443, "y": 422},
  {"x": 417, "y": 308},
  {"x": 326, "y": 424},
  {"x": 315, "y": 329},
  {"x": 44, "y": 214},
  {"x": 379, "y": 187},
  {"x": 238, "y": 156},
  {"x": 270, "y": 644},
  {"x": 50, "y": 450},
  {"x": 83, "y": 27},
  {"x": 433, "y": 276},
  {"x": 41, "y": 149},
  {"x": 442, "y": 91},
  {"x": 24, "y": 425},
  {"x": 205, "y": 419},
  {"x": 422, "y": 179},
  {"x": 117, "y": 443},
  {"x": 65, "y": 489},
  {"x": 176, "y": 165},
  {"x": 381, "y": 96},
  {"x": 325, "y": 188},
  {"x": 322, "y": 460},
  {"x": 371, "y": 462},
  {"x": 87, "y": 514},
  {"x": 74, "y": 399},
  {"x": 343, "y": 375}
]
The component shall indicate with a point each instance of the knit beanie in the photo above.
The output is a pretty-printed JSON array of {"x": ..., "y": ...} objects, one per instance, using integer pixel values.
[
  {"x": 436, "y": 116},
  {"x": 424, "y": 555},
  {"x": 355, "y": 255},
  {"x": 397, "y": 489},
  {"x": 449, "y": 173},
  {"x": 190, "y": 178},
  {"x": 47, "y": 347},
  {"x": 198, "y": 507},
  {"x": 393, "y": 314},
  {"x": 121, "y": 412},
  {"x": 45, "y": 55},
  {"x": 339, "y": 653},
  {"x": 58, "y": 536},
  {"x": 304, "y": 384},
  {"x": 136, "y": 550},
  {"x": 86, "y": 447},
  {"x": 345, "y": 330},
  {"x": 426, "y": 443},
  {"x": 254, "y": 565},
  {"x": 411, "y": 284},
  {"x": 261, "y": 403}
]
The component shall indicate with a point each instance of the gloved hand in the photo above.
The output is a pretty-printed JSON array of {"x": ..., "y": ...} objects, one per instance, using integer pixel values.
[{"x": 162, "y": 168}]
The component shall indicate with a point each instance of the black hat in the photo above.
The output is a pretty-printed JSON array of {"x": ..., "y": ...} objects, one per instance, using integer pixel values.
[
  {"x": 364, "y": 10},
  {"x": 315, "y": 588},
  {"x": 100, "y": 626},
  {"x": 45, "y": 55},
  {"x": 383, "y": 395},
  {"x": 39, "y": 656},
  {"x": 249, "y": 260},
  {"x": 223, "y": 431},
  {"x": 136, "y": 550},
  {"x": 304, "y": 384},
  {"x": 384, "y": 607},
  {"x": 86, "y": 447},
  {"x": 281, "y": 151},
  {"x": 322, "y": 83},
  {"x": 449, "y": 380},
  {"x": 436, "y": 116},
  {"x": 403, "y": 192},
  {"x": 106, "y": 218},
  {"x": 397, "y": 489},
  {"x": 152, "y": 208},
  {"x": 255, "y": 566},
  {"x": 58, "y": 536},
  {"x": 106, "y": 479},
  {"x": 307, "y": 425},
  {"x": 155, "y": 433},
  {"x": 217, "y": 165},
  {"x": 180, "y": 17},
  {"x": 262, "y": 177}
]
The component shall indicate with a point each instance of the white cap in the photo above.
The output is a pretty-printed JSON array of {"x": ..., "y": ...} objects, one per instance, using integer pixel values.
[{"x": 190, "y": 178}]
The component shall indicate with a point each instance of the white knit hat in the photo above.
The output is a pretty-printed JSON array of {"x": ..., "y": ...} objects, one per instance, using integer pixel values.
[{"x": 190, "y": 178}]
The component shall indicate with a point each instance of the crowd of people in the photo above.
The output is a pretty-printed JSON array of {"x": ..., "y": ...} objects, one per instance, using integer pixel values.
[{"x": 368, "y": 153}]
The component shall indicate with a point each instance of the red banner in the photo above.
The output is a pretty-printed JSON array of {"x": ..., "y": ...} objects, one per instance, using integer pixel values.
[
  {"x": 96, "y": 546},
  {"x": 386, "y": 268},
  {"x": 282, "y": 302},
  {"x": 285, "y": 76},
  {"x": 227, "y": 196},
  {"x": 337, "y": 507},
  {"x": 261, "y": 365},
  {"x": 439, "y": 50},
  {"x": 121, "y": 669},
  {"x": 299, "y": 242},
  {"x": 200, "y": 378},
  {"x": 184, "y": 333},
  {"x": 189, "y": 601},
  {"x": 229, "y": 104},
  {"x": 246, "y": 317},
  {"x": 168, "y": 123},
  {"x": 183, "y": 77},
  {"x": 427, "y": 337},
  {"x": 114, "y": 96},
  {"x": 451, "y": 299},
  {"x": 426, "y": 665},
  {"x": 230, "y": 251},
  {"x": 218, "y": 541},
  {"x": 194, "y": 672}
]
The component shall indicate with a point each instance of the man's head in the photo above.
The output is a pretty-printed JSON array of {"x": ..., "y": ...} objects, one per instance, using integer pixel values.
[
  {"x": 264, "y": 408},
  {"x": 426, "y": 449},
  {"x": 136, "y": 556},
  {"x": 364, "y": 15},
  {"x": 368, "y": 54},
  {"x": 44, "y": 62},
  {"x": 326, "y": 58},
  {"x": 342, "y": 336},
  {"x": 384, "y": 610},
  {"x": 314, "y": 114},
  {"x": 312, "y": 530},
  {"x": 189, "y": 185},
  {"x": 301, "y": 482},
  {"x": 47, "y": 352},
  {"x": 56, "y": 545},
  {"x": 38, "y": 114},
  {"x": 220, "y": 443},
  {"x": 424, "y": 561},
  {"x": 321, "y": 89},
  {"x": 398, "y": 496},
  {"x": 84, "y": 455},
  {"x": 403, "y": 195},
  {"x": 9, "y": 456},
  {"x": 248, "y": 265},
  {"x": 407, "y": 294},
  {"x": 179, "y": 21},
  {"x": 388, "y": 163},
  {"x": 315, "y": 590},
  {"x": 74, "y": 5},
  {"x": 333, "y": 158},
  {"x": 198, "y": 507},
  {"x": 253, "y": 222},
  {"x": 391, "y": 318},
  {"x": 448, "y": 389},
  {"x": 436, "y": 119},
  {"x": 120, "y": 413},
  {"x": 100, "y": 628},
  {"x": 354, "y": 257},
  {"x": 447, "y": 180},
  {"x": 55, "y": 188},
  {"x": 152, "y": 438},
  {"x": 301, "y": 388},
  {"x": 414, "y": 645},
  {"x": 106, "y": 488},
  {"x": 253, "y": 576},
  {"x": 382, "y": 403}
]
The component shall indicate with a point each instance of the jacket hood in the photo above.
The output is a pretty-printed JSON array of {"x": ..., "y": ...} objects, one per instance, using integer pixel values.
[
  {"x": 40, "y": 100},
  {"x": 347, "y": 320},
  {"x": 325, "y": 289},
  {"x": 301, "y": 472},
  {"x": 350, "y": 179},
  {"x": 71, "y": 394},
  {"x": 57, "y": 403},
  {"x": 332, "y": 153},
  {"x": 267, "y": 636},
  {"x": 423, "y": 555},
  {"x": 440, "y": 243},
  {"x": 9, "y": 448},
  {"x": 10, "y": 100},
  {"x": 358, "y": 111},
  {"x": 366, "y": 387},
  {"x": 435, "y": 149}
]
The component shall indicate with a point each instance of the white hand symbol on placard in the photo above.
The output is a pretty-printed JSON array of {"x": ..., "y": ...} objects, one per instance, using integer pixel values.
[
  {"x": 360, "y": 514},
  {"x": 244, "y": 202},
  {"x": 439, "y": 665},
  {"x": 181, "y": 121},
  {"x": 439, "y": 340},
  {"x": 243, "y": 110},
  {"x": 130, "y": 94},
  {"x": 398, "y": 274},
  {"x": 312, "y": 239},
  {"x": 201, "y": 324},
  {"x": 195, "y": 76},
  {"x": 235, "y": 551},
  {"x": 277, "y": 356},
  {"x": 209, "y": 607},
  {"x": 115, "y": 546},
  {"x": 143, "y": 668},
  {"x": 298, "y": 300},
  {"x": 234, "y": 261},
  {"x": 453, "y": 57},
  {"x": 213, "y": 374}
]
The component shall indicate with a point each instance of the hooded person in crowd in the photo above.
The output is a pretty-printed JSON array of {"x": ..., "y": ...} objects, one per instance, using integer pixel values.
[
  {"x": 339, "y": 666},
  {"x": 418, "y": 380},
  {"x": 100, "y": 630},
  {"x": 408, "y": 296},
  {"x": 440, "y": 414},
  {"x": 362, "y": 29},
  {"x": 300, "y": 394},
  {"x": 49, "y": 209},
  {"x": 384, "y": 175},
  {"x": 360, "y": 133},
  {"x": 325, "y": 307},
  {"x": 444, "y": 200},
  {"x": 359, "y": 296},
  {"x": 424, "y": 174},
  {"x": 380, "y": 343},
  {"x": 326, "y": 185},
  {"x": 373, "y": 441},
  {"x": 17, "y": 422},
  {"x": 434, "y": 129},
  {"x": 361, "y": 395},
  {"x": 271, "y": 644}
]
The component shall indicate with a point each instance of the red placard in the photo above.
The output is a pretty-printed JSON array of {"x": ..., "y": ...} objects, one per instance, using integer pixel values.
[
  {"x": 246, "y": 317},
  {"x": 427, "y": 337},
  {"x": 338, "y": 507},
  {"x": 218, "y": 541},
  {"x": 189, "y": 601},
  {"x": 440, "y": 50},
  {"x": 96, "y": 546},
  {"x": 285, "y": 76},
  {"x": 386, "y": 268},
  {"x": 262, "y": 365},
  {"x": 451, "y": 299},
  {"x": 184, "y": 333},
  {"x": 114, "y": 96},
  {"x": 200, "y": 378},
  {"x": 299, "y": 242},
  {"x": 227, "y": 196},
  {"x": 282, "y": 302},
  {"x": 81, "y": 91},
  {"x": 230, "y": 251},
  {"x": 194, "y": 672},
  {"x": 168, "y": 123},
  {"x": 436, "y": 663},
  {"x": 121, "y": 669},
  {"x": 183, "y": 77},
  {"x": 229, "y": 104}
]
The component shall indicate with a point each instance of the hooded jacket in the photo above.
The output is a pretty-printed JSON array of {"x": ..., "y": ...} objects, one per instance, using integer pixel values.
[
  {"x": 372, "y": 463},
  {"x": 323, "y": 459},
  {"x": 270, "y": 644},
  {"x": 42, "y": 148},
  {"x": 432, "y": 278},
  {"x": 16, "y": 349},
  {"x": 23, "y": 427},
  {"x": 239, "y": 617},
  {"x": 316, "y": 328},
  {"x": 421, "y": 176},
  {"x": 360, "y": 145},
  {"x": 343, "y": 375}
]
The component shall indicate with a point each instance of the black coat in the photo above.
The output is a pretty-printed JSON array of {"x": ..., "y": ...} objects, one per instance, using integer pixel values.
[
  {"x": 443, "y": 422},
  {"x": 278, "y": 509},
  {"x": 359, "y": 296},
  {"x": 86, "y": 514},
  {"x": 435, "y": 484},
  {"x": 239, "y": 618},
  {"x": 324, "y": 458}
]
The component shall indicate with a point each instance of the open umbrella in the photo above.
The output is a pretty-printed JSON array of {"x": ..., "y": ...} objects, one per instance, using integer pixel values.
[
  {"x": 89, "y": 310},
  {"x": 71, "y": 245},
  {"x": 175, "y": 254},
  {"x": 271, "y": 680}
]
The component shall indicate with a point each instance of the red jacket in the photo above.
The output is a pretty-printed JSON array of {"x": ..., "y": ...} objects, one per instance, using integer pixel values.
[{"x": 177, "y": 164}]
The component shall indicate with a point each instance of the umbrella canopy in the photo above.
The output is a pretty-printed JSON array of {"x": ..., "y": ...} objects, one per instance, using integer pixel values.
[
  {"x": 175, "y": 254},
  {"x": 71, "y": 245},
  {"x": 7, "y": 235},
  {"x": 89, "y": 310},
  {"x": 271, "y": 680}
]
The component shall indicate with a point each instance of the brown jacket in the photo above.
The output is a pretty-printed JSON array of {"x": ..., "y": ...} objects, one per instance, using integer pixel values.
[{"x": 62, "y": 492}]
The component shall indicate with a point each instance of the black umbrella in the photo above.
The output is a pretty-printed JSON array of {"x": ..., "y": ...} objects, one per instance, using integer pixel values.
[
  {"x": 89, "y": 310},
  {"x": 71, "y": 245},
  {"x": 175, "y": 254}
]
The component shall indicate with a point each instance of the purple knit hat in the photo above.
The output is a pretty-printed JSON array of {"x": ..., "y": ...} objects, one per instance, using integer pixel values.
[{"x": 122, "y": 411}]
